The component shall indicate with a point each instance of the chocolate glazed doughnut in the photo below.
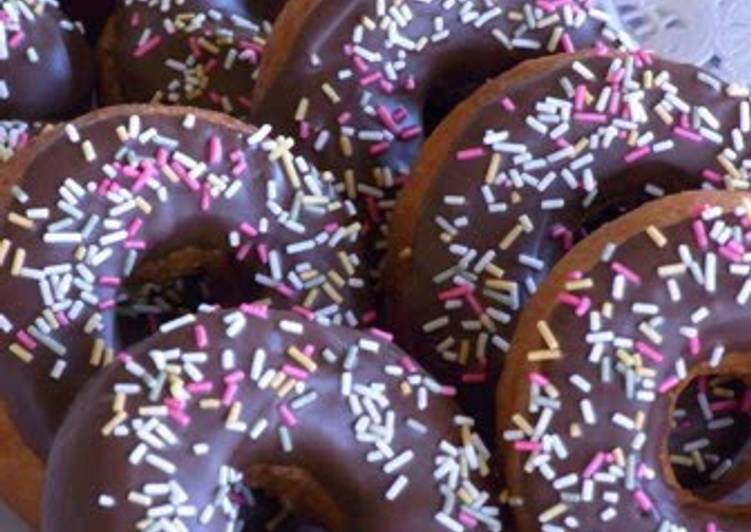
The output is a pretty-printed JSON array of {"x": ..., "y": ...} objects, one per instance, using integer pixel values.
[
  {"x": 355, "y": 81},
  {"x": 587, "y": 395},
  {"x": 93, "y": 14},
  {"x": 525, "y": 167},
  {"x": 46, "y": 66},
  {"x": 164, "y": 438},
  {"x": 198, "y": 52},
  {"x": 124, "y": 188}
]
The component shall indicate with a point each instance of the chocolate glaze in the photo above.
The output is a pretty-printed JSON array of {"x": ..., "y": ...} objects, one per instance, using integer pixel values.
[
  {"x": 674, "y": 217},
  {"x": 59, "y": 82},
  {"x": 418, "y": 253},
  {"x": 313, "y": 46},
  {"x": 214, "y": 55},
  {"x": 37, "y": 402},
  {"x": 86, "y": 465}
]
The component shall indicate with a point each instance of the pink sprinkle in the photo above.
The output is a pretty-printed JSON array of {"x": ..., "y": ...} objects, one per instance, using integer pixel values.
[
  {"x": 256, "y": 310},
  {"x": 711, "y": 527},
  {"x": 134, "y": 227},
  {"x": 248, "y": 229},
  {"x": 229, "y": 394},
  {"x": 454, "y": 293},
  {"x": 629, "y": 274},
  {"x": 108, "y": 280},
  {"x": 381, "y": 334},
  {"x": 26, "y": 340},
  {"x": 379, "y": 148},
  {"x": 288, "y": 417},
  {"x": 410, "y": 132},
  {"x": 16, "y": 39},
  {"x": 180, "y": 417},
  {"x": 470, "y": 153},
  {"x": 202, "y": 387},
  {"x": 580, "y": 97},
  {"x": 386, "y": 119},
  {"x": 304, "y": 312},
  {"x": 409, "y": 365},
  {"x": 700, "y": 234},
  {"x": 643, "y": 501},
  {"x": 234, "y": 377},
  {"x": 106, "y": 304},
  {"x": 62, "y": 318},
  {"x": 594, "y": 465},
  {"x": 474, "y": 378},
  {"x": 687, "y": 134},
  {"x": 507, "y": 104},
  {"x": 569, "y": 299},
  {"x": 305, "y": 130},
  {"x": 567, "y": 44},
  {"x": 649, "y": 351},
  {"x": 147, "y": 46},
  {"x": 295, "y": 372},
  {"x": 174, "y": 404},
  {"x": 694, "y": 346},
  {"x": 668, "y": 384},
  {"x": 467, "y": 520},
  {"x": 539, "y": 379},
  {"x": 637, "y": 154},
  {"x": 592, "y": 118},
  {"x": 215, "y": 150},
  {"x": 527, "y": 446},
  {"x": 583, "y": 307},
  {"x": 285, "y": 290},
  {"x": 711, "y": 175}
]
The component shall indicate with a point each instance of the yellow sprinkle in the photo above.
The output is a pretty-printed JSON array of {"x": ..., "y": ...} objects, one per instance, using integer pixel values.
[
  {"x": 547, "y": 335},
  {"x": 580, "y": 284},
  {"x": 113, "y": 423},
  {"x": 118, "y": 405},
  {"x": 542, "y": 355},
  {"x": 287, "y": 387},
  {"x": 210, "y": 404},
  {"x": 300, "y": 357},
  {"x": 302, "y": 109},
  {"x": 495, "y": 164},
  {"x": 97, "y": 350},
  {"x": 21, "y": 353},
  {"x": 89, "y": 152},
  {"x": 233, "y": 416},
  {"x": 4, "y": 249},
  {"x": 329, "y": 91},
  {"x": 19, "y": 258},
  {"x": 20, "y": 221},
  {"x": 511, "y": 237}
]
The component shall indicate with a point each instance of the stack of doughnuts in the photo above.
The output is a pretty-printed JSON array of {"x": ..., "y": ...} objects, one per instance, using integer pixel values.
[{"x": 451, "y": 265}]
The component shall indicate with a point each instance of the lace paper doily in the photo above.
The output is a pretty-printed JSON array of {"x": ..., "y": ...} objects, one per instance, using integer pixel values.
[{"x": 713, "y": 34}]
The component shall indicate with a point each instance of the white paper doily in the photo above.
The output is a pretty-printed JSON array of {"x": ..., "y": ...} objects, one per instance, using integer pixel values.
[{"x": 713, "y": 34}]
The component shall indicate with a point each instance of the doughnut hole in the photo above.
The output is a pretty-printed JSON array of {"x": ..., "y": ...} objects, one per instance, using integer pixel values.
[
  {"x": 454, "y": 79},
  {"x": 709, "y": 445},
  {"x": 171, "y": 281},
  {"x": 711, "y": 431},
  {"x": 630, "y": 188}
]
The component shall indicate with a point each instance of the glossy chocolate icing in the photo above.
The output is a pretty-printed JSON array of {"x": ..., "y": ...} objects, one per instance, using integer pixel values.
[
  {"x": 381, "y": 90},
  {"x": 299, "y": 252},
  {"x": 88, "y": 465},
  {"x": 713, "y": 309},
  {"x": 202, "y": 53},
  {"x": 533, "y": 197},
  {"x": 49, "y": 70}
]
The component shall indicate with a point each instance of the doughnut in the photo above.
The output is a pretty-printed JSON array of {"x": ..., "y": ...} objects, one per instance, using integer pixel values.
[
  {"x": 359, "y": 83},
  {"x": 198, "y": 53},
  {"x": 46, "y": 66},
  {"x": 586, "y": 397},
  {"x": 342, "y": 422},
  {"x": 145, "y": 190},
  {"x": 524, "y": 168}
]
